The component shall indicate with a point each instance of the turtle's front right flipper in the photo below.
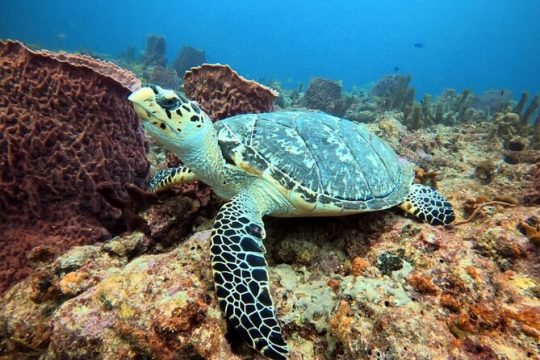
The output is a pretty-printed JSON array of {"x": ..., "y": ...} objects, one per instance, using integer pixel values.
[
  {"x": 167, "y": 178},
  {"x": 241, "y": 277}
]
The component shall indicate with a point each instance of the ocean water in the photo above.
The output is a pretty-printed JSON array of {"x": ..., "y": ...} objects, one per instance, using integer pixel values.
[
  {"x": 74, "y": 162},
  {"x": 482, "y": 44}
]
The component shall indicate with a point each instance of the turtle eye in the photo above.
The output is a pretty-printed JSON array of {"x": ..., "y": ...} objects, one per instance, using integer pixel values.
[{"x": 169, "y": 104}]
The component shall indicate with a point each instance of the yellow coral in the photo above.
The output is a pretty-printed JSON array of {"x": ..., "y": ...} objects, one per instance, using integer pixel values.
[{"x": 71, "y": 283}]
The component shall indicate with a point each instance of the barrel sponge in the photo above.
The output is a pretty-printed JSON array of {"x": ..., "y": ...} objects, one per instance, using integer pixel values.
[
  {"x": 66, "y": 128},
  {"x": 221, "y": 92}
]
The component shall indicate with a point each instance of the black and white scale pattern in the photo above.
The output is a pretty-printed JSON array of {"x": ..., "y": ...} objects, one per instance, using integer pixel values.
[
  {"x": 429, "y": 205},
  {"x": 170, "y": 176},
  {"x": 241, "y": 278}
]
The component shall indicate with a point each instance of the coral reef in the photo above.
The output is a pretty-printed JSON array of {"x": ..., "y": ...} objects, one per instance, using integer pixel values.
[
  {"x": 324, "y": 94},
  {"x": 409, "y": 290},
  {"x": 450, "y": 108},
  {"x": 373, "y": 286},
  {"x": 531, "y": 229},
  {"x": 527, "y": 127},
  {"x": 155, "y": 53},
  {"x": 65, "y": 128},
  {"x": 165, "y": 77},
  {"x": 521, "y": 139},
  {"x": 532, "y": 193},
  {"x": 92, "y": 303},
  {"x": 519, "y": 130},
  {"x": 526, "y": 112},
  {"x": 395, "y": 92},
  {"x": 493, "y": 101},
  {"x": 187, "y": 58},
  {"x": 129, "y": 55},
  {"x": 222, "y": 93}
]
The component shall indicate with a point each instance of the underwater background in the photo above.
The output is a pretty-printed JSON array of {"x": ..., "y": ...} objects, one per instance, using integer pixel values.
[
  {"x": 100, "y": 259},
  {"x": 460, "y": 44}
]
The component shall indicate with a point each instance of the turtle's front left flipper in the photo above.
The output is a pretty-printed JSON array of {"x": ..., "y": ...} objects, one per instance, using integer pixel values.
[
  {"x": 167, "y": 178},
  {"x": 241, "y": 277}
]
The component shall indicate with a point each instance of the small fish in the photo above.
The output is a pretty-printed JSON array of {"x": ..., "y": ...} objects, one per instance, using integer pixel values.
[
  {"x": 396, "y": 68},
  {"x": 61, "y": 36},
  {"x": 418, "y": 45}
]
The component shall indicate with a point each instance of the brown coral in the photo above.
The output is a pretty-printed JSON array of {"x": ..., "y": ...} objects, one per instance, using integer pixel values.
[
  {"x": 221, "y": 92},
  {"x": 450, "y": 302},
  {"x": 532, "y": 194},
  {"x": 531, "y": 229},
  {"x": 359, "y": 265},
  {"x": 425, "y": 177},
  {"x": 423, "y": 283},
  {"x": 65, "y": 128},
  {"x": 325, "y": 95}
]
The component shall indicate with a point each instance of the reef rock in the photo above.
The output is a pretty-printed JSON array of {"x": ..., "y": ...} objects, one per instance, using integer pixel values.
[
  {"x": 325, "y": 95},
  {"x": 156, "y": 51},
  {"x": 156, "y": 305},
  {"x": 187, "y": 58},
  {"x": 164, "y": 77}
]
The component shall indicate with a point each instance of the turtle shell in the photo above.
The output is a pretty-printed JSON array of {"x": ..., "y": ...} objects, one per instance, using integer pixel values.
[{"x": 322, "y": 163}]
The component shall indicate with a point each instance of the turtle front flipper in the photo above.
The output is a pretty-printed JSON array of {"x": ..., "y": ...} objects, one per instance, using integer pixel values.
[
  {"x": 241, "y": 277},
  {"x": 167, "y": 178},
  {"x": 429, "y": 205}
]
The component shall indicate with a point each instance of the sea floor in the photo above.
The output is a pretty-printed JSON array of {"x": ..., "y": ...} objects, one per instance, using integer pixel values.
[{"x": 373, "y": 286}]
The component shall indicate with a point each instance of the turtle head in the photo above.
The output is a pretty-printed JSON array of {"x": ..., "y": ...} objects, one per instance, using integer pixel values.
[{"x": 170, "y": 117}]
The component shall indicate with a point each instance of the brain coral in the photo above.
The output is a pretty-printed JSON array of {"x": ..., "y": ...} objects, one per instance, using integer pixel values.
[
  {"x": 221, "y": 92},
  {"x": 66, "y": 128}
]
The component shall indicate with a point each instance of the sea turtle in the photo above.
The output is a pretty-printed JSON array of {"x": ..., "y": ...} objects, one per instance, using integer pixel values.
[{"x": 283, "y": 164}]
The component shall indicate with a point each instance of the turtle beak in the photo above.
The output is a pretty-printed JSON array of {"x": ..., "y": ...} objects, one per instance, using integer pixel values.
[
  {"x": 140, "y": 98},
  {"x": 141, "y": 95}
]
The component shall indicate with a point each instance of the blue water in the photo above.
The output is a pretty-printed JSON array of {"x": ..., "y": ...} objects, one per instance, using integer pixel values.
[{"x": 480, "y": 44}]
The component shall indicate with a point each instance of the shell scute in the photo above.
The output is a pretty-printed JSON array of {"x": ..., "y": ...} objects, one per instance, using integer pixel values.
[{"x": 318, "y": 159}]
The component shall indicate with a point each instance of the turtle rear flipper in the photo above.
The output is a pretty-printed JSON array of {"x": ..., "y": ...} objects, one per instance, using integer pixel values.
[
  {"x": 241, "y": 277},
  {"x": 428, "y": 205}
]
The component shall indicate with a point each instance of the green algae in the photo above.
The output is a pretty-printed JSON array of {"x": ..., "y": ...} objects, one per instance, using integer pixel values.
[
  {"x": 77, "y": 257},
  {"x": 313, "y": 300},
  {"x": 169, "y": 302},
  {"x": 375, "y": 291},
  {"x": 125, "y": 245}
]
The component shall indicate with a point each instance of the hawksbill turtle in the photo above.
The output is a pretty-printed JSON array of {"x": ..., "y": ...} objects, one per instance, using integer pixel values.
[{"x": 283, "y": 164}]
